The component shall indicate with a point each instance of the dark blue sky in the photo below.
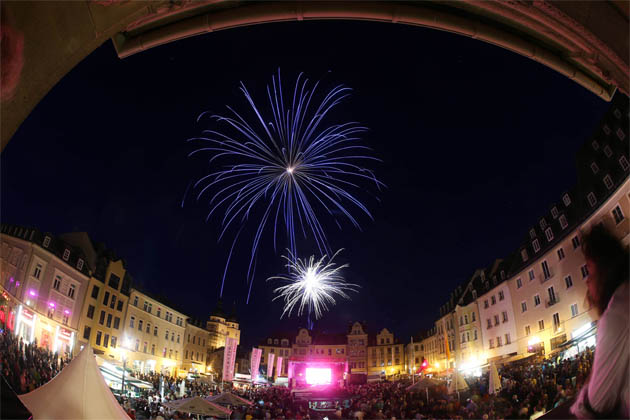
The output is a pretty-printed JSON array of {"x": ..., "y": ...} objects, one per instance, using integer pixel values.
[{"x": 476, "y": 143}]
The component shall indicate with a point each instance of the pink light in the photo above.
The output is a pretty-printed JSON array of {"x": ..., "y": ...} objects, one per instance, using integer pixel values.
[
  {"x": 51, "y": 304},
  {"x": 67, "y": 312},
  {"x": 17, "y": 284},
  {"x": 318, "y": 376},
  {"x": 11, "y": 279},
  {"x": 31, "y": 292}
]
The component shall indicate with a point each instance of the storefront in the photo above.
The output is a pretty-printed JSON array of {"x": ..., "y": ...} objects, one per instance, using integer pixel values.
[
  {"x": 25, "y": 325},
  {"x": 64, "y": 340}
]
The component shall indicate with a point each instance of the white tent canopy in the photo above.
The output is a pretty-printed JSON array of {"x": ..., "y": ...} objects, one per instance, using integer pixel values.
[
  {"x": 494, "y": 380},
  {"x": 77, "y": 392},
  {"x": 227, "y": 398}
]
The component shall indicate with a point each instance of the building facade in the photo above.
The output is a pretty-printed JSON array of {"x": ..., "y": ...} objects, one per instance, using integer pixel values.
[
  {"x": 222, "y": 326},
  {"x": 195, "y": 346},
  {"x": 386, "y": 355},
  {"x": 45, "y": 280},
  {"x": 357, "y": 348},
  {"x": 153, "y": 335}
]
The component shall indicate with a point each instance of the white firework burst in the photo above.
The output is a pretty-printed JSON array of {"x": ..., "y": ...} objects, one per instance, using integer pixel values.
[{"x": 312, "y": 284}]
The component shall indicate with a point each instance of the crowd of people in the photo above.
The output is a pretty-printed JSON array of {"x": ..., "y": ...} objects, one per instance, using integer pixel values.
[{"x": 27, "y": 366}]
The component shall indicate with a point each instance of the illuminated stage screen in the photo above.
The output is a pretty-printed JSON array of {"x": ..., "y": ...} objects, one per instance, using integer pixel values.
[{"x": 318, "y": 376}]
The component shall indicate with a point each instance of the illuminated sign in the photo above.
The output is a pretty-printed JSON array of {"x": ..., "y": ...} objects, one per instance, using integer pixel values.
[{"x": 318, "y": 376}]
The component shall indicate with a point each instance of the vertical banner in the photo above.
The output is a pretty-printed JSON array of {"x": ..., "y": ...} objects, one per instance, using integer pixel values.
[
  {"x": 270, "y": 358},
  {"x": 255, "y": 363},
  {"x": 279, "y": 367},
  {"x": 229, "y": 358}
]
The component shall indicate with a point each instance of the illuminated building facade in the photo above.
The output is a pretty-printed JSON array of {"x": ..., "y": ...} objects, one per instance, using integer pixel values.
[
  {"x": 470, "y": 353},
  {"x": 153, "y": 335},
  {"x": 195, "y": 346},
  {"x": 222, "y": 326},
  {"x": 357, "y": 348},
  {"x": 280, "y": 346},
  {"x": 45, "y": 280},
  {"x": 386, "y": 355}
]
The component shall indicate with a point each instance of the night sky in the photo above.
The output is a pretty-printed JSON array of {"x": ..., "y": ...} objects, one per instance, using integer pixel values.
[{"x": 476, "y": 142}]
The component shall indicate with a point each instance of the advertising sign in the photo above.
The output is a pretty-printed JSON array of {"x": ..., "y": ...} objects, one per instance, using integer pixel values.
[
  {"x": 229, "y": 358},
  {"x": 270, "y": 358},
  {"x": 255, "y": 363}
]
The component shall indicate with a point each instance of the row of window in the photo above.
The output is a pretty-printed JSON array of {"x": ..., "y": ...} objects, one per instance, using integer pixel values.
[
  {"x": 110, "y": 300},
  {"x": 198, "y": 339},
  {"x": 192, "y": 356},
  {"x": 101, "y": 338},
  {"x": 493, "y": 300},
  {"x": 148, "y": 307},
  {"x": 497, "y": 320},
  {"x": 463, "y": 320},
  {"x": 466, "y": 336},
  {"x": 499, "y": 341},
  {"x": 556, "y": 321},
  {"x": 105, "y": 318}
]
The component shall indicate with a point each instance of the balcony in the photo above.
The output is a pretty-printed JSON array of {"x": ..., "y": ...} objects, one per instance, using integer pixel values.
[{"x": 553, "y": 301}]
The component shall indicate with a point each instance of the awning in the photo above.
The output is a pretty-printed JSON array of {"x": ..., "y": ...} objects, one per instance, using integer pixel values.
[
  {"x": 583, "y": 336},
  {"x": 140, "y": 384}
]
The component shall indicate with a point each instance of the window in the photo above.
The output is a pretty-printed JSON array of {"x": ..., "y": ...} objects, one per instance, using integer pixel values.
[
  {"x": 119, "y": 306},
  {"x": 584, "y": 270},
  {"x": 474, "y": 294},
  {"x": 568, "y": 281},
  {"x": 155, "y": 331},
  {"x": 106, "y": 299},
  {"x": 135, "y": 301},
  {"x": 172, "y": 336},
  {"x": 485, "y": 304},
  {"x": 95, "y": 291},
  {"x": 144, "y": 347},
  {"x": 113, "y": 342},
  {"x": 524, "y": 256},
  {"x": 505, "y": 316},
  {"x": 531, "y": 274},
  {"x": 90, "y": 312},
  {"x": 575, "y": 241},
  {"x": 549, "y": 234},
  {"x": 552, "y": 295},
  {"x": 560, "y": 254},
  {"x": 109, "y": 320},
  {"x": 113, "y": 302},
  {"x": 507, "y": 339},
  {"x": 114, "y": 281},
  {"x": 80, "y": 264},
  {"x": 116, "y": 322},
  {"x": 57, "y": 283},
  {"x": 489, "y": 323},
  {"x": 106, "y": 340},
  {"x": 541, "y": 325},
  {"x": 536, "y": 300},
  {"x": 499, "y": 344},
  {"x": 493, "y": 299},
  {"x": 617, "y": 113},
  {"x": 556, "y": 321},
  {"x": 159, "y": 311},
  {"x": 554, "y": 212},
  {"x": 545, "y": 268},
  {"x": 574, "y": 310},
  {"x": 543, "y": 224},
  {"x": 563, "y": 221},
  {"x": 86, "y": 333},
  {"x": 140, "y": 322},
  {"x": 71, "y": 291},
  {"x": 536, "y": 245},
  {"x": 620, "y": 134},
  {"x": 98, "y": 338},
  {"x": 519, "y": 283},
  {"x": 566, "y": 200},
  {"x": 150, "y": 308},
  {"x": 475, "y": 334},
  {"x": 496, "y": 320},
  {"x": 148, "y": 331},
  {"x": 617, "y": 214},
  {"x": 607, "y": 151},
  {"x": 608, "y": 182},
  {"x": 523, "y": 306},
  {"x": 101, "y": 319},
  {"x": 466, "y": 319},
  {"x": 502, "y": 274},
  {"x": 132, "y": 322},
  {"x": 491, "y": 343},
  {"x": 66, "y": 254},
  {"x": 472, "y": 314},
  {"x": 153, "y": 349},
  {"x": 166, "y": 335},
  {"x": 623, "y": 162},
  {"x": 528, "y": 331},
  {"x": 177, "y": 338},
  {"x": 46, "y": 241},
  {"x": 595, "y": 145},
  {"x": 594, "y": 167},
  {"x": 137, "y": 344},
  {"x": 37, "y": 271}
]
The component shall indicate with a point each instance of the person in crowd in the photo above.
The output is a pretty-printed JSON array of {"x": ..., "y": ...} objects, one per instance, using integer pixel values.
[{"x": 607, "y": 393}]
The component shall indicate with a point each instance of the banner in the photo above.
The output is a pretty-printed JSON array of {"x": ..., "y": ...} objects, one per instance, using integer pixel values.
[
  {"x": 270, "y": 358},
  {"x": 279, "y": 367},
  {"x": 255, "y": 363},
  {"x": 229, "y": 358}
]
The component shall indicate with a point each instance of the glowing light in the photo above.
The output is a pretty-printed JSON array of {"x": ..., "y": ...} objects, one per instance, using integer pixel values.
[
  {"x": 318, "y": 376},
  {"x": 259, "y": 180},
  {"x": 31, "y": 292},
  {"x": 51, "y": 304},
  {"x": 11, "y": 279},
  {"x": 312, "y": 284},
  {"x": 581, "y": 330},
  {"x": 533, "y": 341},
  {"x": 67, "y": 312}
]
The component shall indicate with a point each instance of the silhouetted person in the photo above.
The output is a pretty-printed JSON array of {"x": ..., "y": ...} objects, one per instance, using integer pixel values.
[{"x": 607, "y": 393}]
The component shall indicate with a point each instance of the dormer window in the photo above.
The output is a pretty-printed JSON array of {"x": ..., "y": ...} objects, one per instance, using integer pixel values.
[
  {"x": 524, "y": 255},
  {"x": 487, "y": 285},
  {"x": 66, "y": 254},
  {"x": 46, "y": 241},
  {"x": 594, "y": 167},
  {"x": 80, "y": 264},
  {"x": 591, "y": 199},
  {"x": 563, "y": 221},
  {"x": 608, "y": 151},
  {"x": 623, "y": 162},
  {"x": 621, "y": 134},
  {"x": 595, "y": 145},
  {"x": 502, "y": 274},
  {"x": 606, "y": 129},
  {"x": 269, "y": 341},
  {"x": 617, "y": 113},
  {"x": 566, "y": 200},
  {"x": 532, "y": 233},
  {"x": 554, "y": 212},
  {"x": 543, "y": 224},
  {"x": 549, "y": 234},
  {"x": 536, "y": 245},
  {"x": 608, "y": 182}
]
